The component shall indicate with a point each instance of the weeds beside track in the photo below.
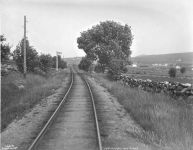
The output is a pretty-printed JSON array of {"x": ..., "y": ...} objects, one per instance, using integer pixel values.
[
  {"x": 16, "y": 102},
  {"x": 166, "y": 123}
]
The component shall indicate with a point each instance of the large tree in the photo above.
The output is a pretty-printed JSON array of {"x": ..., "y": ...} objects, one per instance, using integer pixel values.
[
  {"x": 5, "y": 49},
  {"x": 31, "y": 56},
  {"x": 106, "y": 41}
]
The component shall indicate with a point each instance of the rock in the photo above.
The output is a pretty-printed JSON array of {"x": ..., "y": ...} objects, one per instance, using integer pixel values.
[
  {"x": 184, "y": 90},
  {"x": 172, "y": 88},
  {"x": 148, "y": 80},
  {"x": 20, "y": 87},
  {"x": 186, "y": 84}
]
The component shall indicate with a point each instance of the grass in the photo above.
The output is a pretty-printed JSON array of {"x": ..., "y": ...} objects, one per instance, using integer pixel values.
[
  {"x": 160, "y": 74},
  {"x": 16, "y": 102},
  {"x": 166, "y": 123}
]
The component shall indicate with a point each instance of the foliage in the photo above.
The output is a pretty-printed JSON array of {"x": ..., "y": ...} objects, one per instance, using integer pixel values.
[
  {"x": 125, "y": 70},
  {"x": 5, "y": 49},
  {"x": 115, "y": 68},
  {"x": 54, "y": 61},
  {"x": 85, "y": 64},
  {"x": 106, "y": 41},
  {"x": 183, "y": 70},
  {"x": 99, "y": 68},
  {"x": 45, "y": 62},
  {"x": 31, "y": 56},
  {"x": 61, "y": 63},
  {"x": 172, "y": 72}
]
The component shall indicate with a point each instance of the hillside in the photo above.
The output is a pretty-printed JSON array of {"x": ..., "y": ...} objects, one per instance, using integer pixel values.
[
  {"x": 73, "y": 60},
  {"x": 174, "y": 58}
]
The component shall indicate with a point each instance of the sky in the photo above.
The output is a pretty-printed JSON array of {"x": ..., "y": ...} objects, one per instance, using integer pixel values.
[{"x": 158, "y": 26}]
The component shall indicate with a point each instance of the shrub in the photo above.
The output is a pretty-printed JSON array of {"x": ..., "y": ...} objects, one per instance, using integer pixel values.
[
  {"x": 125, "y": 69},
  {"x": 85, "y": 64},
  {"x": 45, "y": 62},
  {"x": 99, "y": 68},
  {"x": 115, "y": 69},
  {"x": 172, "y": 72},
  {"x": 183, "y": 70},
  {"x": 61, "y": 63}
]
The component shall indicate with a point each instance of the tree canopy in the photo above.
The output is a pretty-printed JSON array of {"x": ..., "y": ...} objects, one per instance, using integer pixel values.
[
  {"x": 172, "y": 72},
  {"x": 106, "y": 41},
  {"x": 5, "y": 49},
  {"x": 183, "y": 70},
  {"x": 31, "y": 56}
]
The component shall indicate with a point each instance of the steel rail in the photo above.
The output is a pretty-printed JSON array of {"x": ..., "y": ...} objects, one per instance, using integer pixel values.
[
  {"x": 43, "y": 131},
  {"x": 34, "y": 144},
  {"x": 95, "y": 116}
]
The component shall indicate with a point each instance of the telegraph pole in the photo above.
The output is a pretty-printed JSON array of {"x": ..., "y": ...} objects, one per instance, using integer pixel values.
[
  {"x": 24, "y": 50},
  {"x": 56, "y": 61},
  {"x": 57, "y": 54}
]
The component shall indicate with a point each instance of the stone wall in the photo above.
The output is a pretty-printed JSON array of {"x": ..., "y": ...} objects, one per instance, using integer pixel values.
[{"x": 174, "y": 89}]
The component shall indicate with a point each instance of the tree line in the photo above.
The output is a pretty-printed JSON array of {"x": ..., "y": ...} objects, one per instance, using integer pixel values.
[
  {"x": 173, "y": 71},
  {"x": 34, "y": 62}
]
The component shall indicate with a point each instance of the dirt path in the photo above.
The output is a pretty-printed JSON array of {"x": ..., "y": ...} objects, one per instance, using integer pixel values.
[
  {"x": 19, "y": 134},
  {"x": 116, "y": 125}
]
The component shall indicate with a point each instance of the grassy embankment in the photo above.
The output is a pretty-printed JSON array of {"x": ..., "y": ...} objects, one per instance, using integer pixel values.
[
  {"x": 166, "y": 122},
  {"x": 16, "y": 102}
]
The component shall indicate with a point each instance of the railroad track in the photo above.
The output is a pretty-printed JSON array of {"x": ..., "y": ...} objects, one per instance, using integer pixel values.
[{"x": 74, "y": 123}]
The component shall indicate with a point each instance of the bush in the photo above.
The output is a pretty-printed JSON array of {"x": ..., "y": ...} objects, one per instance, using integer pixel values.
[
  {"x": 85, "y": 64},
  {"x": 115, "y": 69},
  {"x": 125, "y": 70},
  {"x": 45, "y": 62},
  {"x": 172, "y": 72},
  {"x": 61, "y": 63},
  {"x": 99, "y": 68},
  {"x": 183, "y": 70}
]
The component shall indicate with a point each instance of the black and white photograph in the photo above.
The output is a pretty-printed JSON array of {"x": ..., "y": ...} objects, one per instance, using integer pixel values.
[{"x": 96, "y": 74}]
